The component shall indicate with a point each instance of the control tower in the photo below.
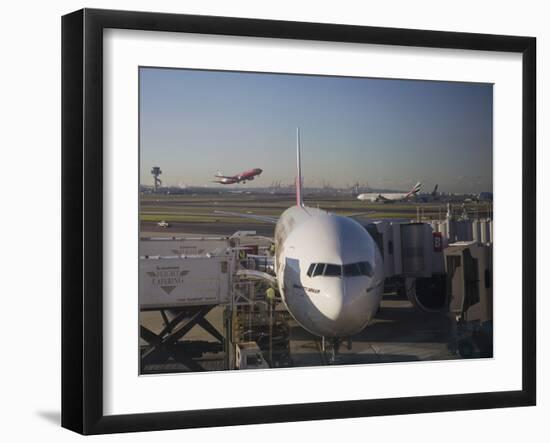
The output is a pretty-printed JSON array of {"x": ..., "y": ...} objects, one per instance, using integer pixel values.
[{"x": 157, "y": 181}]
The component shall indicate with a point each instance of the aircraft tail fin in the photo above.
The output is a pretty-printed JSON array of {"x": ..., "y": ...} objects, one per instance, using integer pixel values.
[
  {"x": 414, "y": 190},
  {"x": 299, "y": 182},
  {"x": 434, "y": 192}
]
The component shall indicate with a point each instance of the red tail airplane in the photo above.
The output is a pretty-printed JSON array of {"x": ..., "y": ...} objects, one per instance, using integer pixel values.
[{"x": 243, "y": 177}]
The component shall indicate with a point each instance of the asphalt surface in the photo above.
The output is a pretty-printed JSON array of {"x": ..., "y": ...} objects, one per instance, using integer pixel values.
[
  {"x": 398, "y": 333},
  {"x": 197, "y": 214}
]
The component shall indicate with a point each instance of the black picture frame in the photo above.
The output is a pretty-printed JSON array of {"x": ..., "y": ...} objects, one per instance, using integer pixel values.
[{"x": 82, "y": 218}]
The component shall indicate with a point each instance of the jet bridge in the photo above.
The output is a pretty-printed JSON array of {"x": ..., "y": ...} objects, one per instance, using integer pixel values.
[
  {"x": 470, "y": 293},
  {"x": 454, "y": 279},
  {"x": 414, "y": 263},
  {"x": 409, "y": 249}
]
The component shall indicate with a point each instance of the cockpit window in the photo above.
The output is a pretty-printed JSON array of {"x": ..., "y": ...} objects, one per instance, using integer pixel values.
[
  {"x": 349, "y": 270},
  {"x": 352, "y": 270},
  {"x": 333, "y": 270},
  {"x": 366, "y": 268},
  {"x": 319, "y": 269}
]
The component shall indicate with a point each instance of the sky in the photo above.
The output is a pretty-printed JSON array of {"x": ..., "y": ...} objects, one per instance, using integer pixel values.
[{"x": 382, "y": 132}]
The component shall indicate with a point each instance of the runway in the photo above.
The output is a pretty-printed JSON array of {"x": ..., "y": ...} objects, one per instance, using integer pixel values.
[{"x": 196, "y": 214}]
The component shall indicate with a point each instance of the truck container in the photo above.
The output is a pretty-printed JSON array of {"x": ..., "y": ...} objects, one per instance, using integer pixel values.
[
  {"x": 169, "y": 246},
  {"x": 178, "y": 281}
]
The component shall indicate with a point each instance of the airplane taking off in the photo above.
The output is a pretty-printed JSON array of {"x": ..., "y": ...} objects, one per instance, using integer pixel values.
[
  {"x": 328, "y": 268},
  {"x": 390, "y": 197},
  {"x": 242, "y": 177}
]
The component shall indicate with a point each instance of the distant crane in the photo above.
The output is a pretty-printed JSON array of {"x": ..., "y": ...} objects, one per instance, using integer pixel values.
[{"x": 158, "y": 182}]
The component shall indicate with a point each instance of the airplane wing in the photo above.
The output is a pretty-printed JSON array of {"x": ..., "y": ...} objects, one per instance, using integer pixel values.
[
  {"x": 263, "y": 218},
  {"x": 220, "y": 175}
]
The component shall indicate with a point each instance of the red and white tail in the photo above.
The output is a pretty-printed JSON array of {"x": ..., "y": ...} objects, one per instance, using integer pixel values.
[
  {"x": 415, "y": 190},
  {"x": 299, "y": 199}
]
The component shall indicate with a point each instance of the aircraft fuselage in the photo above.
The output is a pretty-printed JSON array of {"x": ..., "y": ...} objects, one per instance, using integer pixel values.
[{"x": 329, "y": 271}]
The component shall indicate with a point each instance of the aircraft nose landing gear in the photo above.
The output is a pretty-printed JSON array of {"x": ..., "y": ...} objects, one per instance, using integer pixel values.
[{"x": 330, "y": 348}]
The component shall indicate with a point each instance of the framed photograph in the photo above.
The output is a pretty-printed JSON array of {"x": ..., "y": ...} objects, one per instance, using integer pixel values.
[{"x": 268, "y": 221}]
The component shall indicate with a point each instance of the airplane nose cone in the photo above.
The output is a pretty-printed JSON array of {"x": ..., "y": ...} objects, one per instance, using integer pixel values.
[
  {"x": 357, "y": 306},
  {"x": 330, "y": 300},
  {"x": 346, "y": 307}
]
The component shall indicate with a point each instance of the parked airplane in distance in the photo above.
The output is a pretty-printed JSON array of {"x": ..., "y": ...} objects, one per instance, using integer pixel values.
[
  {"x": 390, "y": 197},
  {"x": 243, "y": 177},
  {"x": 431, "y": 197},
  {"x": 328, "y": 268}
]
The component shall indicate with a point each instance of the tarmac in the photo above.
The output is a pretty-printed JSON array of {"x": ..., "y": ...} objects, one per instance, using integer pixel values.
[{"x": 398, "y": 333}]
